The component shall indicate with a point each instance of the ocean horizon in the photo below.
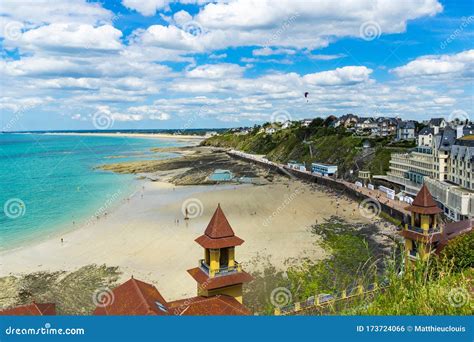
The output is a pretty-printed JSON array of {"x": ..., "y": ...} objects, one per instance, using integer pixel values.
[{"x": 50, "y": 184}]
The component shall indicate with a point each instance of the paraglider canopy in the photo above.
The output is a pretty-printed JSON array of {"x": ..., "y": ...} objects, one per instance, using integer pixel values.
[{"x": 306, "y": 94}]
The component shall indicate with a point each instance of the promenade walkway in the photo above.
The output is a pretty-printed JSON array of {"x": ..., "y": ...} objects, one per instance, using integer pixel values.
[{"x": 375, "y": 195}]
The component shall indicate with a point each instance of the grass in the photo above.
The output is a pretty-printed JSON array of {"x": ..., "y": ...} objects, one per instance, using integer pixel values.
[
  {"x": 353, "y": 256},
  {"x": 72, "y": 292},
  {"x": 423, "y": 289}
]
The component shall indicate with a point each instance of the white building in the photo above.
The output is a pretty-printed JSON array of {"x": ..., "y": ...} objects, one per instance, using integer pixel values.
[
  {"x": 425, "y": 136},
  {"x": 286, "y": 124},
  {"x": 446, "y": 167}
]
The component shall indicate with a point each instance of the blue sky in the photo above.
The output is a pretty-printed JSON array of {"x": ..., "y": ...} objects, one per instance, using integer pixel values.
[{"x": 193, "y": 63}]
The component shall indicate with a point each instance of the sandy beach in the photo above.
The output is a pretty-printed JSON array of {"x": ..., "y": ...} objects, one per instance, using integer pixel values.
[
  {"x": 141, "y": 235},
  {"x": 177, "y": 137}
]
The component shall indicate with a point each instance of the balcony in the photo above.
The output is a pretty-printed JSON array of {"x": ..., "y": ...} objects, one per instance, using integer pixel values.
[
  {"x": 418, "y": 234},
  {"x": 421, "y": 231},
  {"x": 224, "y": 270}
]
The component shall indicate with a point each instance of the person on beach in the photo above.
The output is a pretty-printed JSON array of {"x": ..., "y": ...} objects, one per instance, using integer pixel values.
[{"x": 62, "y": 240}]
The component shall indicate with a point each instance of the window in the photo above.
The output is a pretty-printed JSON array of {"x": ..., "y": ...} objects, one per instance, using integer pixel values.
[{"x": 224, "y": 257}]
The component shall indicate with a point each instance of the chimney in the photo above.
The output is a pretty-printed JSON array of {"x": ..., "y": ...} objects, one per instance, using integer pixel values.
[{"x": 436, "y": 129}]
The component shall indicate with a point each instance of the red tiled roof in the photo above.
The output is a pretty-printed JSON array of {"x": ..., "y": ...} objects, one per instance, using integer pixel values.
[
  {"x": 207, "y": 283},
  {"x": 219, "y": 233},
  {"x": 424, "y": 203},
  {"x": 208, "y": 306},
  {"x": 33, "y": 309},
  {"x": 454, "y": 229},
  {"x": 134, "y": 297},
  {"x": 207, "y": 242},
  {"x": 219, "y": 227}
]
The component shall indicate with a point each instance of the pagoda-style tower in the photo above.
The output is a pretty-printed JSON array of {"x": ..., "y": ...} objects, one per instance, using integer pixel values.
[
  {"x": 219, "y": 273},
  {"x": 423, "y": 233}
]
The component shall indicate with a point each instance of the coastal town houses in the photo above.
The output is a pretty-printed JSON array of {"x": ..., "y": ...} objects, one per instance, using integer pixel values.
[
  {"x": 366, "y": 126},
  {"x": 386, "y": 126},
  {"x": 347, "y": 120},
  {"x": 425, "y": 136},
  {"x": 406, "y": 130},
  {"x": 219, "y": 277},
  {"x": 306, "y": 122},
  {"x": 425, "y": 233},
  {"x": 286, "y": 124},
  {"x": 438, "y": 124},
  {"x": 445, "y": 167}
]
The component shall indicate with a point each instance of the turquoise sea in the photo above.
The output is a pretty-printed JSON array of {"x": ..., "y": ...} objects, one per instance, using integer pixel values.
[{"x": 49, "y": 181}]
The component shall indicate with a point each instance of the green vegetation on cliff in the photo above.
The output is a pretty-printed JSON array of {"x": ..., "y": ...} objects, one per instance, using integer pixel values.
[{"x": 315, "y": 143}]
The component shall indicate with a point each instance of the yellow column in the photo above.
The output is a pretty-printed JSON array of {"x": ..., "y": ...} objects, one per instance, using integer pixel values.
[
  {"x": 425, "y": 223},
  {"x": 214, "y": 265},
  {"x": 231, "y": 257}
]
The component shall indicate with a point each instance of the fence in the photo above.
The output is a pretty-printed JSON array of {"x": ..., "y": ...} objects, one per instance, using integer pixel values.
[{"x": 323, "y": 301}]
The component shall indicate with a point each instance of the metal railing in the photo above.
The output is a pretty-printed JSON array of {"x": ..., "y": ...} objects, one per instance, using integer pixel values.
[
  {"x": 224, "y": 270},
  {"x": 322, "y": 300},
  {"x": 419, "y": 230}
]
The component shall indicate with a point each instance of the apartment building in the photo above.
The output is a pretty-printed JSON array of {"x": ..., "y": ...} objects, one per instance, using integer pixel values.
[
  {"x": 461, "y": 163},
  {"x": 446, "y": 167}
]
